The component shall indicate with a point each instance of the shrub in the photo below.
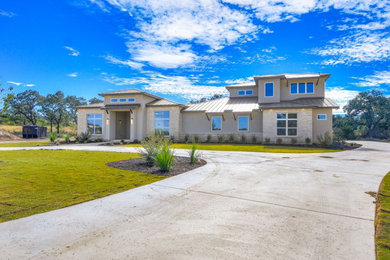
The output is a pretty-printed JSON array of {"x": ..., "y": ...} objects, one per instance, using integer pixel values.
[
  {"x": 208, "y": 138},
  {"x": 67, "y": 138},
  {"x": 136, "y": 141},
  {"x": 194, "y": 156},
  {"x": 267, "y": 140},
  {"x": 325, "y": 140},
  {"x": 53, "y": 137},
  {"x": 279, "y": 141},
  {"x": 186, "y": 138},
  {"x": 99, "y": 140},
  {"x": 294, "y": 141},
  {"x": 243, "y": 139},
  {"x": 220, "y": 138},
  {"x": 307, "y": 141},
  {"x": 150, "y": 147},
  {"x": 231, "y": 138},
  {"x": 195, "y": 139},
  {"x": 164, "y": 157},
  {"x": 172, "y": 139},
  {"x": 83, "y": 137},
  {"x": 254, "y": 139}
]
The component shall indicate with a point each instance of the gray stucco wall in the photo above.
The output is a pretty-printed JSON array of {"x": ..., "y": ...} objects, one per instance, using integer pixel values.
[
  {"x": 261, "y": 86},
  {"x": 285, "y": 91},
  {"x": 322, "y": 126},
  {"x": 82, "y": 121},
  {"x": 233, "y": 92}
]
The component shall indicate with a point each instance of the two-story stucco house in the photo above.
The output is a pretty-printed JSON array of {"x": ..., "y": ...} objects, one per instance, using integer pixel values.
[{"x": 282, "y": 106}]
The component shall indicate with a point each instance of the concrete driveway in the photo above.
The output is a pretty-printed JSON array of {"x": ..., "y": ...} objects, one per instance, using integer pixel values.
[{"x": 239, "y": 206}]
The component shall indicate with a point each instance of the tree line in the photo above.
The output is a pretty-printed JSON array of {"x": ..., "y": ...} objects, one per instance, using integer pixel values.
[{"x": 29, "y": 107}]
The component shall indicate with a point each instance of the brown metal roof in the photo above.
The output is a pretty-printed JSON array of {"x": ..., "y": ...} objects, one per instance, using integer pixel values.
[
  {"x": 301, "y": 103},
  {"x": 236, "y": 105},
  {"x": 121, "y": 106}
]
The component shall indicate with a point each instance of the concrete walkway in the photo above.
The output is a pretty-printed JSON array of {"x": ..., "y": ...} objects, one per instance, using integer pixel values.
[{"x": 239, "y": 206}]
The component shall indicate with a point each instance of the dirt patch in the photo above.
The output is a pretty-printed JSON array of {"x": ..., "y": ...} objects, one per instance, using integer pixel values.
[
  {"x": 372, "y": 194},
  {"x": 358, "y": 160},
  {"x": 326, "y": 157},
  {"x": 318, "y": 171},
  {"x": 7, "y": 136},
  {"x": 181, "y": 165}
]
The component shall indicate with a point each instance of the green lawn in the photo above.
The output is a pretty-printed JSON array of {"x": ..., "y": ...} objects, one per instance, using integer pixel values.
[
  {"x": 250, "y": 148},
  {"x": 32, "y": 182},
  {"x": 25, "y": 144},
  {"x": 382, "y": 220}
]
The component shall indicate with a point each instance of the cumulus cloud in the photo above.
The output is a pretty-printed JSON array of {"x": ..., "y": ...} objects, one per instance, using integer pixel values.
[
  {"x": 7, "y": 14},
  {"x": 341, "y": 96},
  {"x": 129, "y": 63},
  {"x": 30, "y": 85},
  {"x": 247, "y": 80},
  {"x": 72, "y": 52},
  {"x": 73, "y": 75},
  {"x": 377, "y": 79},
  {"x": 14, "y": 83}
]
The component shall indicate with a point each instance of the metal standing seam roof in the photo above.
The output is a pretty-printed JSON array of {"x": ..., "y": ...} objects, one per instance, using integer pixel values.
[
  {"x": 302, "y": 103},
  {"x": 236, "y": 105},
  {"x": 293, "y": 76},
  {"x": 127, "y": 92},
  {"x": 97, "y": 105},
  {"x": 163, "y": 102}
]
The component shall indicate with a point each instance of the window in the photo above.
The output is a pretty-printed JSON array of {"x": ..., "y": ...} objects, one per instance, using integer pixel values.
[
  {"x": 321, "y": 116},
  {"x": 216, "y": 123},
  {"x": 241, "y": 92},
  {"x": 302, "y": 88},
  {"x": 243, "y": 123},
  {"x": 269, "y": 89},
  {"x": 310, "y": 88},
  {"x": 286, "y": 124},
  {"x": 122, "y": 100},
  {"x": 249, "y": 92},
  {"x": 161, "y": 123},
  {"x": 114, "y": 100},
  {"x": 293, "y": 88},
  {"x": 245, "y": 92},
  {"x": 131, "y": 99},
  {"x": 94, "y": 124}
]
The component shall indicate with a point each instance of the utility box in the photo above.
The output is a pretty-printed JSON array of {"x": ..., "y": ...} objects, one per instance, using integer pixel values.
[{"x": 34, "y": 131}]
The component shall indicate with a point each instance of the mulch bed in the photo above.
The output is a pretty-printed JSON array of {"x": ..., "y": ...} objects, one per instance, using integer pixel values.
[{"x": 181, "y": 165}]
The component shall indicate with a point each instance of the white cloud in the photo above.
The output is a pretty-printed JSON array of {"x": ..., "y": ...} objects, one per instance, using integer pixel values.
[
  {"x": 30, "y": 85},
  {"x": 129, "y": 63},
  {"x": 72, "y": 52},
  {"x": 14, "y": 83},
  {"x": 356, "y": 48},
  {"x": 375, "y": 80},
  {"x": 341, "y": 96},
  {"x": 7, "y": 14},
  {"x": 247, "y": 80},
  {"x": 73, "y": 75},
  {"x": 168, "y": 85}
]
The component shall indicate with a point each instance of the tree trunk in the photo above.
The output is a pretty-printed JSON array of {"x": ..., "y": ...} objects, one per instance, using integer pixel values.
[
  {"x": 51, "y": 126},
  {"x": 58, "y": 127}
]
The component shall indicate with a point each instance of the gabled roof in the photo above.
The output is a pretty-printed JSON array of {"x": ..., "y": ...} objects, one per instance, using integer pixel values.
[
  {"x": 294, "y": 76},
  {"x": 163, "y": 103},
  {"x": 128, "y": 92},
  {"x": 242, "y": 85},
  {"x": 235, "y": 105},
  {"x": 301, "y": 103},
  {"x": 97, "y": 105}
]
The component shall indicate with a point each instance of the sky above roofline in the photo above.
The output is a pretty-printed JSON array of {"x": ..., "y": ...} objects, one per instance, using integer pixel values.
[{"x": 185, "y": 50}]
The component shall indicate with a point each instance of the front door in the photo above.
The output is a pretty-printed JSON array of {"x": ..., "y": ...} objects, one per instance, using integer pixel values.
[{"x": 121, "y": 126}]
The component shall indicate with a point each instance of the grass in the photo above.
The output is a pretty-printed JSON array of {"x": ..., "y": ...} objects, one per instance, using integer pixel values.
[
  {"x": 250, "y": 148},
  {"x": 382, "y": 220},
  {"x": 17, "y": 129},
  {"x": 25, "y": 144},
  {"x": 33, "y": 182}
]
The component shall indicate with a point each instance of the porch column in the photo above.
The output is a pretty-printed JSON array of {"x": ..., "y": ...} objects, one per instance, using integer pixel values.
[
  {"x": 107, "y": 127},
  {"x": 132, "y": 128}
]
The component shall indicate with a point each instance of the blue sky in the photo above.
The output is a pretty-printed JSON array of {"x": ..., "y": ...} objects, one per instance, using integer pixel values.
[{"x": 189, "y": 49}]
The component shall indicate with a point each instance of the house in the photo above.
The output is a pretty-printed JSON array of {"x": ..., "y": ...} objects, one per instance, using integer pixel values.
[{"x": 284, "y": 106}]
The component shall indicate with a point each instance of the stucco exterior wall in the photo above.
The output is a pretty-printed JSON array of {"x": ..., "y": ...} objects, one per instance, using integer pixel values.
[
  {"x": 304, "y": 130},
  {"x": 320, "y": 127},
  {"x": 233, "y": 92},
  {"x": 285, "y": 89},
  {"x": 261, "y": 86},
  {"x": 174, "y": 119},
  {"x": 196, "y": 123},
  {"x": 82, "y": 121}
]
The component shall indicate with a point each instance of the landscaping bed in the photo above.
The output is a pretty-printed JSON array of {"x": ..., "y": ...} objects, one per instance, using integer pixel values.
[
  {"x": 382, "y": 220},
  {"x": 180, "y": 165}
]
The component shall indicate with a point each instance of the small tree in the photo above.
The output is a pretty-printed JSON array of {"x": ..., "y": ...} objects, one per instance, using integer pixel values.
[{"x": 25, "y": 104}]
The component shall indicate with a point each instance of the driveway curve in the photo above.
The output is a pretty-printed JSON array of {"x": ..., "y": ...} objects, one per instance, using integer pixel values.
[{"x": 240, "y": 205}]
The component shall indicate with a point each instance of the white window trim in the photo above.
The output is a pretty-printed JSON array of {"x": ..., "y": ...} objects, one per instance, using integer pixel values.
[
  {"x": 129, "y": 100},
  {"x": 273, "y": 89},
  {"x": 94, "y": 119},
  {"x": 287, "y": 119},
  {"x": 112, "y": 100},
  {"x": 314, "y": 89},
  {"x": 169, "y": 120},
  {"x": 326, "y": 117},
  {"x": 246, "y": 94},
  {"x": 238, "y": 124},
  {"x": 238, "y": 92},
  {"x": 124, "y": 100},
  {"x": 211, "y": 124}
]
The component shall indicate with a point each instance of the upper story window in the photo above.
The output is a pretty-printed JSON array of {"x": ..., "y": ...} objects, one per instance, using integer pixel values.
[
  {"x": 161, "y": 123},
  {"x": 216, "y": 123},
  {"x": 122, "y": 100},
  {"x": 243, "y": 123},
  {"x": 113, "y": 100},
  {"x": 302, "y": 88},
  {"x": 131, "y": 99},
  {"x": 94, "y": 124},
  {"x": 269, "y": 89},
  {"x": 247, "y": 92}
]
